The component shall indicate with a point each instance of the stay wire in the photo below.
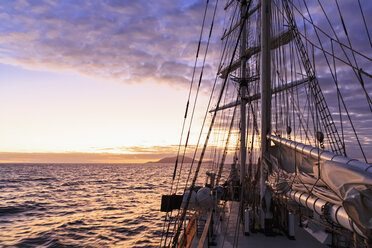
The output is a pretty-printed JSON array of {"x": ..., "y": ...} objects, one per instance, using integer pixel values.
[
  {"x": 210, "y": 33},
  {"x": 361, "y": 71},
  {"x": 226, "y": 146},
  {"x": 206, "y": 113},
  {"x": 198, "y": 89},
  {"x": 190, "y": 90},
  {"x": 341, "y": 97},
  {"x": 365, "y": 24},
  {"x": 323, "y": 109},
  {"x": 338, "y": 101},
  {"x": 310, "y": 21},
  {"x": 225, "y": 139},
  {"x": 185, "y": 116},
  {"x": 357, "y": 75},
  {"x": 197, "y": 93},
  {"x": 183, "y": 215}
]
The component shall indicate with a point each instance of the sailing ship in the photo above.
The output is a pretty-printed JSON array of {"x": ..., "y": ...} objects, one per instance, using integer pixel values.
[{"x": 284, "y": 127}]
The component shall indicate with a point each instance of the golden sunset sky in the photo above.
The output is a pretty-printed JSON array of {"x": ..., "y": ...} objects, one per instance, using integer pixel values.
[
  {"x": 94, "y": 81},
  {"x": 108, "y": 81}
]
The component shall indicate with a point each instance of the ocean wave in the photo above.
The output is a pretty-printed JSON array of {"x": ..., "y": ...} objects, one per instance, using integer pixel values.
[
  {"x": 81, "y": 205},
  {"x": 8, "y": 210},
  {"x": 76, "y": 222},
  {"x": 44, "y": 240},
  {"x": 27, "y": 179},
  {"x": 130, "y": 231},
  {"x": 73, "y": 183}
]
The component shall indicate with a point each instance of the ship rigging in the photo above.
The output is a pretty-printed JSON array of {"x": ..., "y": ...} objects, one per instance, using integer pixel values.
[{"x": 291, "y": 117}]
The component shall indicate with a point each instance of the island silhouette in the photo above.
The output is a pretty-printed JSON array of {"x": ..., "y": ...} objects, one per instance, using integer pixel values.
[{"x": 173, "y": 160}]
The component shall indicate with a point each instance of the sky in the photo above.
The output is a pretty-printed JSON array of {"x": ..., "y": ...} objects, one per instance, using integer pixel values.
[
  {"x": 105, "y": 77},
  {"x": 97, "y": 81}
]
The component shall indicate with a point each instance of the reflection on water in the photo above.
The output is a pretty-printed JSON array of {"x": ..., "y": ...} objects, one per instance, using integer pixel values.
[{"x": 82, "y": 205}]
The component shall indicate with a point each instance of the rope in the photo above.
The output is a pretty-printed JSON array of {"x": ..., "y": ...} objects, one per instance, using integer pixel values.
[
  {"x": 175, "y": 238},
  {"x": 199, "y": 83},
  {"x": 360, "y": 79},
  {"x": 226, "y": 147},
  {"x": 342, "y": 99},
  {"x": 167, "y": 216},
  {"x": 365, "y": 24}
]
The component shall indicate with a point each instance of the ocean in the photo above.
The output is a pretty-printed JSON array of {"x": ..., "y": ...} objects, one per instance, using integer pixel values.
[{"x": 83, "y": 205}]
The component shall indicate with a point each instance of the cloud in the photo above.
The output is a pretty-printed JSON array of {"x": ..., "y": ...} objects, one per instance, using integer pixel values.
[
  {"x": 348, "y": 83},
  {"x": 140, "y": 149},
  {"x": 127, "y": 41},
  {"x": 77, "y": 157},
  {"x": 131, "y": 154},
  {"x": 134, "y": 41}
]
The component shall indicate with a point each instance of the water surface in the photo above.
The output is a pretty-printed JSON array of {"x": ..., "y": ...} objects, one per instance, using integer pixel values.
[{"x": 82, "y": 205}]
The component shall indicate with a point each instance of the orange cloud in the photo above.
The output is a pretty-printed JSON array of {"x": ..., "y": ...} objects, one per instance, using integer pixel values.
[{"x": 78, "y": 157}]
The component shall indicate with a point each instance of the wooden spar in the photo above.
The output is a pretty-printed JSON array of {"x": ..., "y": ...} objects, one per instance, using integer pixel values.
[
  {"x": 205, "y": 231},
  {"x": 228, "y": 4},
  {"x": 282, "y": 39},
  {"x": 258, "y": 95},
  {"x": 265, "y": 76},
  {"x": 189, "y": 234},
  {"x": 243, "y": 92},
  {"x": 336, "y": 213},
  {"x": 317, "y": 153},
  {"x": 251, "y": 12}
]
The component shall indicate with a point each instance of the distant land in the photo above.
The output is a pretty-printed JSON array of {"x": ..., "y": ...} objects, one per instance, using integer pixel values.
[{"x": 173, "y": 160}]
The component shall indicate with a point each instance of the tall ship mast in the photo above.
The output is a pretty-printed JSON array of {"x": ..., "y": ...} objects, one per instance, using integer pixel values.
[{"x": 285, "y": 140}]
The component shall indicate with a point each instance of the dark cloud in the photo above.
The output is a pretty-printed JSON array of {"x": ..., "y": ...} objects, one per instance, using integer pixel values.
[
  {"x": 346, "y": 78},
  {"x": 139, "y": 40},
  {"x": 79, "y": 157},
  {"x": 128, "y": 41}
]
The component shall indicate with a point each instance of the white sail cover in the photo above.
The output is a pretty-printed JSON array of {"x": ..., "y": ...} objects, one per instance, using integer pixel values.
[
  {"x": 354, "y": 187},
  {"x": 334, "y": 182}
]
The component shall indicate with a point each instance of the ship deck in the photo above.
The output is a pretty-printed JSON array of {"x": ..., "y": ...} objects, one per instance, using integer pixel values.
[{"x": 225, "y": 234}]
